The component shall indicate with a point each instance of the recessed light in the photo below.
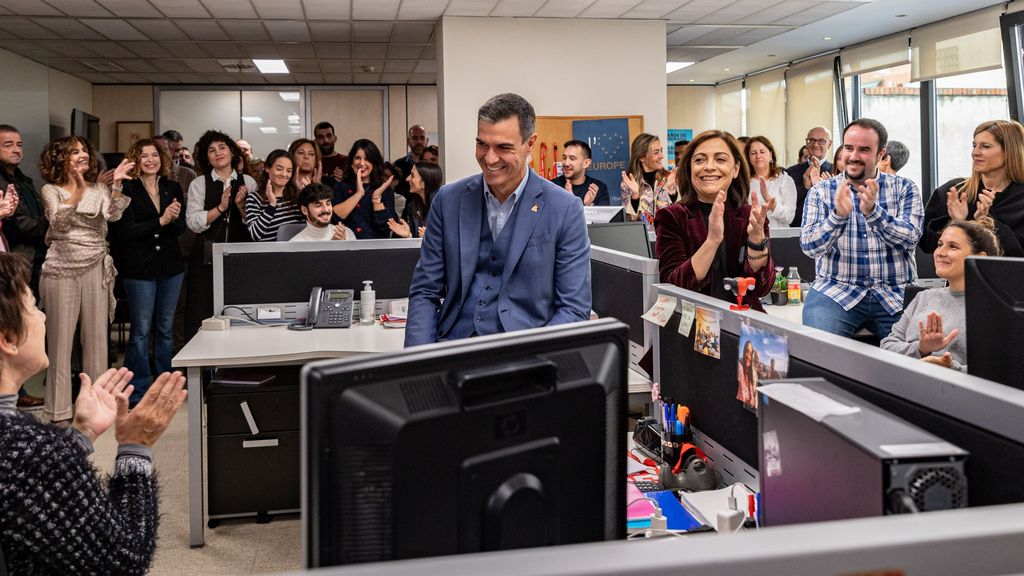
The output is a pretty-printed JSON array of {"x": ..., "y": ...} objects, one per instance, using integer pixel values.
[
  {"x": 691, "y": 79},
  {"x": 725, "y": 69},
  {"x": 671, "y": 67},
  {"x": 289, "y": 96},
  {"x": 252, "y": 119},
  {"x": 826, "y": 38},
  {"x": 268, "y": 129},
  {"x": 271, "y": 66},
  {"x": 771, "y": 55}
]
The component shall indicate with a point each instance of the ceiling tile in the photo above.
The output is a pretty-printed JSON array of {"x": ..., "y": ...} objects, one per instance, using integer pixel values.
[
  {"x": 425, "y": 66},
  {"x": 694, "y": 10},
  {"x": 429, "y": 53},
  {"x": 686, "y": 34},
  {"x": 31, "y": 8},
  {"x": 394, "y": 78},
  {"x": 368, "y": 66},
  {"x": 421, "y": 10},
  {"x": 157, "y": 78},
  {"x": 130, "y": 8},
  {"x": 777, "y": 11},
  {"x": 68, "y": 65},
  {"x": 172, "y": 65},
  {"x": 202, "y": 29},
  {"x": 127, "y": 78},
  {"x": 181, "y": 8},
  {"x": 278, "y": 9},
  {"x": 223, "y": 49},
  {"x": 95, "y": 77},
  {"x": 288, "y": 30},
  {"x": 308, "y": 78},
  {"x": 33, "y": 52},
  {"x": 470, "y": 7},
  {"x": 818, "y": 12},
  {"x": 68, "y": 48},
  {"x": 404, "y": 51},
  {"x": 186, "y": 50},
  {"x": 107, "y": 49},
  {"x": 374, "y": 9},
  {"x": 80, "y": 8},
  {"x": 733, "y": 13},
  {"x": 333, "y": 50},
  {"x": 371, "y": 31},
  {"x": 608, "y": 8},
  {"x": 261, "y": 50},
  {"x": 159, "y": 29},
  {"x": 413, "y": 32},
  {"x": 423, "y": 79},
  {"x": 327, "y": 9},
  {"x": 147, "y": 49},
  {"x": 685, "y": 54},
  {"x": 296, "y": 50},
  {"x": 517, "y": 7},
  {"x": 370, "y": 51},
  {"x": 194, "y": 78},
  {"x": 406, "y": 66},
  {"x": 303, "y": 66},
  {"x": 229, "y": 8},
  {"x": 5, "y": 11},
  {"x": 25, "y": 28},
  {"x": 338, "y": 78},
  {"x": 69, "y": 28},
  {"x": 756, "y": 35},
  {"x": 245, "y": 30},
  {"x": 114, "y": 29},
  {"x": 654, "y": 9},
  {"x": 135, "y": 64},
  {"x": 331, "y": 31},
  {"x": 276, "y": 78},
  {"x": 336, "y": 66},
  {"x": 563, "y": 8},
  {"x": 360, "y": 78},
  {"x": 211, "y": 66}
]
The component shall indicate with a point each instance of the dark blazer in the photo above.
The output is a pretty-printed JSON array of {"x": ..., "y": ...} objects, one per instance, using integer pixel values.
[
  {"x": 1007, "y": 211},
  {"x": 681, "y": 232},
  {"x": 546, "y": 277},
  {"x": 366, "y": 222},
  {"x": 796, "y": 172},
  {"x": 148, "y": 251}
]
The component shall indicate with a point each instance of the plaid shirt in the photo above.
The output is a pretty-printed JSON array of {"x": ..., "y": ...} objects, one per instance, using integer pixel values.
[{"x": 858, "y": 255}]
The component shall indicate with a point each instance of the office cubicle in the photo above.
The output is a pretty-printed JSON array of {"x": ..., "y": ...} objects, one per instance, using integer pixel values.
[
  {"x": 281, "y": 274},
  {"x": 982, "y": 417},
  {"x": 621, "y": 288}
]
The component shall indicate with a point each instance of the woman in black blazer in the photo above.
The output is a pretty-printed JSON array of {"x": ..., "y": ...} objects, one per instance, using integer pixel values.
[{"x": 150, "y": 260}]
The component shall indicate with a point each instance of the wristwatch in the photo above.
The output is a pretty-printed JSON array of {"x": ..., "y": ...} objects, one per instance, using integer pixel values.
[{"x": 759, "y": 247}]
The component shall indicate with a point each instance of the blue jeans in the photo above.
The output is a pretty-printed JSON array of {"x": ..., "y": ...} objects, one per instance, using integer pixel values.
[
  {"x": 151, "y": 305},
  {"x": 824, "y": 313}
]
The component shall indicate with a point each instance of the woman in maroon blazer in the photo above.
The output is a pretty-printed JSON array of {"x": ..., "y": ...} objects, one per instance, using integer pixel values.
[{"x": 711, "y": 233}]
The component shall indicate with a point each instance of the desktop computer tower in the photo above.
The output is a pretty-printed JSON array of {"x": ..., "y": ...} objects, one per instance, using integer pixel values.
[{"x": 826, "y": 454}]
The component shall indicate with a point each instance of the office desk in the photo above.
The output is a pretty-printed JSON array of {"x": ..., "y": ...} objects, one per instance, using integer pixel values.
[
  {"x": 259, "y": 346},
  {"x": 789, "y": 312}
]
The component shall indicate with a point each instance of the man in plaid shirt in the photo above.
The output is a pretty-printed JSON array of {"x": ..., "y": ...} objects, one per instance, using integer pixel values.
[{"x": 861, "y": 227}]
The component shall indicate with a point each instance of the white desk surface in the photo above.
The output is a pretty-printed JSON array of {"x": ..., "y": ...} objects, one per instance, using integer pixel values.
[
  {"x": 249, "y": 345},
  {"x": 791, "y": 312}
]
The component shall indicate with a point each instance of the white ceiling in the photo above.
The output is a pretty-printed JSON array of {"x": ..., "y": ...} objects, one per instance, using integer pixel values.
[{"x": 392, "y": 41}]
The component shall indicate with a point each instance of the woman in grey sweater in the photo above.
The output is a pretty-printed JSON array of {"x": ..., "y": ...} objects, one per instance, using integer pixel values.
[{"x": 932, "y": 326}]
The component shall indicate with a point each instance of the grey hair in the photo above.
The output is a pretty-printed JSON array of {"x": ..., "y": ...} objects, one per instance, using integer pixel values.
[
  {"x": 898, "y": 154},
  {"x": 505, "y": 106}
]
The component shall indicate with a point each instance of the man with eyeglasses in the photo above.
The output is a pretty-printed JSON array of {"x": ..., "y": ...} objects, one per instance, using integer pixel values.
[{"x": 807, "y": 174}]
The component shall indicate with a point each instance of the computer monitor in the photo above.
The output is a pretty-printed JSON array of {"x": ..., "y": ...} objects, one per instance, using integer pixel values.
[
  {"x": 602, "y": 214},
  {"x": 995, "y": 318},
  {"x": 86, "y": 125},
  {"x": 630, "y": 237},
  {"x": 506, "y": 441}
]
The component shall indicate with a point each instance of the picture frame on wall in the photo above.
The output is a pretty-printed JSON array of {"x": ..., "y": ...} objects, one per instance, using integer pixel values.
[{"x": 130, "y": 132}]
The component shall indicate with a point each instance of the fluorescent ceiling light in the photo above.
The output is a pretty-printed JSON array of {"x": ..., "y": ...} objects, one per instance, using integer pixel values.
[
  {"x": 671, "y": 67},
  {"x": 271, "y": 66},
  {"x": 289, "y": 96},
  {"x": 252, "y": 119},
  {"x": 268, "y": 129},
  {"x": 293, "y": 118}
]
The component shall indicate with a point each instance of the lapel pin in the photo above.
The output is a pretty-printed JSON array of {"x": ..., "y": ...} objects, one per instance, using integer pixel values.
[{"x": 534, "y": 209}]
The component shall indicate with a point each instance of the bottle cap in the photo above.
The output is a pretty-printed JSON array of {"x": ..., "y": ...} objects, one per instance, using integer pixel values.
[{"x": 367, "y": 285}]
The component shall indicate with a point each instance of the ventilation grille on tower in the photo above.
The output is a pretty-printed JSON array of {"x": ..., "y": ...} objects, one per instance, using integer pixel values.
[{"x": 426, "y": 393}]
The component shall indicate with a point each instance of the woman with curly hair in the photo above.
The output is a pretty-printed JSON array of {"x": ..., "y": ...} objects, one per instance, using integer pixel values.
[
  {"x": 275, "y": 200},
  {"x": 77, "y": 281}
]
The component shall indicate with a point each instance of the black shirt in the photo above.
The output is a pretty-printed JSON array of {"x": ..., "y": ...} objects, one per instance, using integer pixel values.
[{"x": 580, "y": 190}]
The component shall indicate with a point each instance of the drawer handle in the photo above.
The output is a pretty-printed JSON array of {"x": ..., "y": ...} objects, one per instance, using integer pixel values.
[
  {"x": 268, "y": 443},
  {"x": 249, "y": 419}
]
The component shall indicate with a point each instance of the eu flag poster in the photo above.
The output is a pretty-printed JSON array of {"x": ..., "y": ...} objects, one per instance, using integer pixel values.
[{"x": 609, "y": 148}]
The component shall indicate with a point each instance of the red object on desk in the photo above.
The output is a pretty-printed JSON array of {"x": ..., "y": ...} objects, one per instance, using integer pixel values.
[{"x": 742, "y": 285}]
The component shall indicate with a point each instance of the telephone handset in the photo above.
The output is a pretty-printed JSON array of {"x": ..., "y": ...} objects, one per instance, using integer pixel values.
[{"x": 330, "y": 308}]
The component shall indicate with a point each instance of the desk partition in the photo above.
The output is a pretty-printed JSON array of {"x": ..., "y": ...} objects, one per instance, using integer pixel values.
[
  {"x": 283, "y": 273},
  {"x": 621, "y": 288},
  {"x": 980, "y": 416}
]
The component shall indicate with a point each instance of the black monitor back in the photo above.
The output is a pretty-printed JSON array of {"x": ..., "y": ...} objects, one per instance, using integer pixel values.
[
  {"x": 628, "y": 237},
  {"x": 786, "y": 252},
  {"x": 995, "y": 318},
  {"x": 619, "y": 293}
]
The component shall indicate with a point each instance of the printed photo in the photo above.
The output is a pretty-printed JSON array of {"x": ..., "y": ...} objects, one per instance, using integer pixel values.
[
  {"x": 763, "y": 355},
  {"x": 708, "y": 339}
]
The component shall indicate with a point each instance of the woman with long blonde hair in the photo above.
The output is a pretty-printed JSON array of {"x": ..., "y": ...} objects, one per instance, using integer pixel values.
[
  {"x": 646, "y": 186},
  {"x": 995, "y": 189}
]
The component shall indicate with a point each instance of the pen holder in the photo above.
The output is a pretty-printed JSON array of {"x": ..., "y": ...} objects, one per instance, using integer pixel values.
[{"x": 670, "y": 445}]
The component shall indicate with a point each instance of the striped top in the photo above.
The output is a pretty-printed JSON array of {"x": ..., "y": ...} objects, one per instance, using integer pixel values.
[{"x": 263, "y": 220}]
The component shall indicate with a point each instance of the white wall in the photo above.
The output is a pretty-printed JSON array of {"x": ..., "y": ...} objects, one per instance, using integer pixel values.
[
  {"x": 617, "y": 69},
  {"x": 24, "y": 103},
  {"x": 66, "y": 93}
]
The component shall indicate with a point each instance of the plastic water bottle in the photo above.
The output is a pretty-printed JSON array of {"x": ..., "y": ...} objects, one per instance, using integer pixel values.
[{"x": 793, "y": 286}]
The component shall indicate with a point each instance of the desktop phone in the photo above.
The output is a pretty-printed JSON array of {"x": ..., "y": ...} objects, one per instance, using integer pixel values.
[{"x": 330, "y": 308}]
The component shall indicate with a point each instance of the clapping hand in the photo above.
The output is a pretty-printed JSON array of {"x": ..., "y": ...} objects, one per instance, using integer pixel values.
[
  {"x": 769, "y": 200},
  {"x": 171, "y": 213},
  {"x": 716, "y": 220},
  {"x": 868, "y": 193},
  {"x": 378, "y": 194},
  {"x": 632, "y": 185},
  {"x": 946, "y": 360},
  {"x": 591, "y": 195},
  {"x": 97, "y": 404},
  {"x": 145, "y": 423},
  {"x": 240, "y": 198},
  {"x": 400, "y": 228},
  {"x": 956, "y": 203},
  {"x": 932, "y": 338},
  {"x": 318, "y": 173},
  {"x": 8, "y": 201},
  {"x": 813, "y": 173},
  {"x": 269, "y": 193},
  {"x": 122, "y": 170},
  {"x": 339, "y": 231},
  {"x": 844, "y": 200},
  {"x": 985, "y": 200},
  {"x": 755, "y": 227}
]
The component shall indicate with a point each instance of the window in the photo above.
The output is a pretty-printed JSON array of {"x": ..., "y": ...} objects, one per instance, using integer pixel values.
[
  {"x": 963, "y": 102},
  {"x": 890, "y": 97}
]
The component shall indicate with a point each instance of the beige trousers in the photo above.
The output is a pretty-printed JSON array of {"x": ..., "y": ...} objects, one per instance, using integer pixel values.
[{"x": 67, "y": 302}]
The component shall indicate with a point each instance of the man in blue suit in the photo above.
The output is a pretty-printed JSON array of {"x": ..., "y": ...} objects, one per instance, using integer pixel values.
[{"x": 505, "y": 250}]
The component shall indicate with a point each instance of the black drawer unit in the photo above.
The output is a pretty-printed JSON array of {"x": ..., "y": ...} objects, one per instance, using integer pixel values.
[{"x": 252, "y": 420}]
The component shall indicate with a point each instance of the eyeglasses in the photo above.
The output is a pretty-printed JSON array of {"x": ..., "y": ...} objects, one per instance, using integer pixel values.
[{"x": 822, "y": 141}]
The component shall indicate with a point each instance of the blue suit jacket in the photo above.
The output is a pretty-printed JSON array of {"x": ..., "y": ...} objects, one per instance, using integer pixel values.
[{"x": 546, "y": 278}]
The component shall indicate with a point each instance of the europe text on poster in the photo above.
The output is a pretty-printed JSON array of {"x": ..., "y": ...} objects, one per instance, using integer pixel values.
[
  {"x": 609, "y": 150},
  {"x": 763, "y": 355}
]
